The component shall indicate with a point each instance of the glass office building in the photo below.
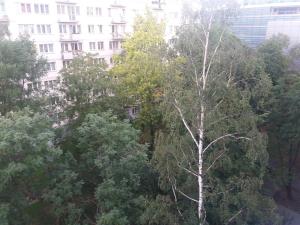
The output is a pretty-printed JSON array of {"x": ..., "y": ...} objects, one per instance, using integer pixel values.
[{"x": 258, "y": 20}]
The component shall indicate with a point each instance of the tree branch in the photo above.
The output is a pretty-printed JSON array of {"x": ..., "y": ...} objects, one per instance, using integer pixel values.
[
  {"x": 222, "y": 137},
  {"x": 234, "y": 216},
  {"x": 216, "y": 159},
  {"x": 185, "y": 123}
]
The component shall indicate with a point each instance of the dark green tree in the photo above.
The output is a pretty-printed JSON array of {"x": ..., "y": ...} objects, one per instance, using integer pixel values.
[
  {"x": 139, "y": 71},
  {"x": 19, "y": 64},
  {"x": 212, "y": 152},
  {"x": 104, "y": 185},
  {"x": 86, "y": 87},
  {"x": 284, "y": 132},
  {"x": 27, "y": 156},
  {"x": 273, "y": 55}
]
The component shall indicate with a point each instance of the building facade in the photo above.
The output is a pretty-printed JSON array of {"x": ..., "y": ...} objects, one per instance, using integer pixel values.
[
  {"x": 63, "y": 29},
  {"x": 258, "y": 20}
]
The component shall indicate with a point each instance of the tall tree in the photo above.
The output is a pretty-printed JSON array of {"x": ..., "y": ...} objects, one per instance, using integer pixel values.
[
  {"x": 210, "y": 89},
  {"x": 86, "y": 87},
  {"x": 139, "y": 70},
  {"x": 275, "y": 59},
  {"x": 107, "y": 174},
  {"x": 284, "y": 132},
  {"x": 19, "y": 64},
  {"x": 27, "y": 156}
]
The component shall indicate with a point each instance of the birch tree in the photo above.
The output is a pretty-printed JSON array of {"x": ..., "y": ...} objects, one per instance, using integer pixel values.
[{"x": 210, "y": 88}]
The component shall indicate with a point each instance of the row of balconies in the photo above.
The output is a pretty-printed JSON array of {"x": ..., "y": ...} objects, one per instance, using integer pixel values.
[{"x": 75, "y": 37}]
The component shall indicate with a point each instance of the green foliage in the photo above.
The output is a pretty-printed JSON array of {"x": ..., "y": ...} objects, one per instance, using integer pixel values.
[
  {"x": 234, "y": 168},
  {"x": 139, "y": 70},
  {"x": 110, "y": 148},
  {"x": 283, "y": 130},
  {"x": 87, "y": 88},
  {"x": 18, "y": 64},
  {"x": 160, "y": 211},
  {"x": 272, "y": 54},
  {"x": 27, "y": 154},
  {"x": 102, "y": 174}
]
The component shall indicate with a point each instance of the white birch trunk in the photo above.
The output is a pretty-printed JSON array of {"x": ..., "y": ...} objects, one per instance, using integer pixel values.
[{"x": 200, "y": 165}]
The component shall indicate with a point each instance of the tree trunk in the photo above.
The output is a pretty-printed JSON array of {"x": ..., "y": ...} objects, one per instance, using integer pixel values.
[{"x": 200, "y": 165}]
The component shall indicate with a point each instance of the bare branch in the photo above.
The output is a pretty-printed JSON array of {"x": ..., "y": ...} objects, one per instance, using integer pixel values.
[
  {"x": 187, "y": 170},
  {"x": 215, "y": 52},
  {"x": 216, "y": 159},
  {"x": 184, "y": 168},
  {"x": 234, "y": 216},
  {"x": 192, "y": 199},
  {"x": 222, "y": 137},
  {"x": 185, "y": 123},
  {"x": 182, "y": 193}
]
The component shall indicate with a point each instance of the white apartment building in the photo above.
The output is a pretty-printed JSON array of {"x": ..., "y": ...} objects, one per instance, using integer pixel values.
[{"x": 62, "y": 29}]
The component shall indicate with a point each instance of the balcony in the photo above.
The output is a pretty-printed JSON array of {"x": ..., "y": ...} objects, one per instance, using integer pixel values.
[
  {"x": 69, "y": 37},
  {"x": 67, "y": 19},
  {"x": 118, "y": 20},
  {"x": 67, "y": 55},
  {"x": 118, "y": 36}
]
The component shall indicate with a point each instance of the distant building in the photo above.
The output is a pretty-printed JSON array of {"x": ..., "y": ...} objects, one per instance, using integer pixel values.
[
  {"x": 259, "y": 20},
  {"x": 62, "y": 29}
]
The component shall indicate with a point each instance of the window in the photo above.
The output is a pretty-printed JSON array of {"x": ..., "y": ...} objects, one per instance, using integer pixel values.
[
  {"x": 26, "y": 28},
  {"x": 113, "y": 45},
  {"x": 100, "y": 28},
  {"x": 28, "y": 7},
  {"x": 99, "y": 61},
  {"x": 92, "y": 46},
  {"x": 51, "y": 84},
  {"x": 62, "y": 28},
  {"x": 64, "y": 47},
  {"x": 71, "y": 12},
  {"x": 29, "y": 87},
  {"x": 46, "y": 9},
  {"x": 79, "y": 29},
  {"x": 42, "y": 8},
  {"x": 2, "y": 7},
  {"x": 114, "y": 29},
  {"x": 36, "y": 8},
  {"x": 100, "y": 45},
  {"x": 25, "y": 8},
  {"x": 98, "y": 11},
  {"x": 76, "y": 46},
  {"x": 49, "y": 29},
  {"x": 51, "y": 66},
  {"x": 90, "y": 11},
  {"x": 54, "y": 100},
  {"x": 43, "y": 28},
  {"x": 72, "y": 29},
  {"x": 77, "y": 10},
  {"x": 91, "y": 28},
  {"x": 80, "y": 46},
  {"x": 66, "y": 63},
  {"x": 109, "y": 12},
  {"x": 46, "y": 48},
  {"x": 61, "y": 9},
  {"x": 37, "y": 85}
]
